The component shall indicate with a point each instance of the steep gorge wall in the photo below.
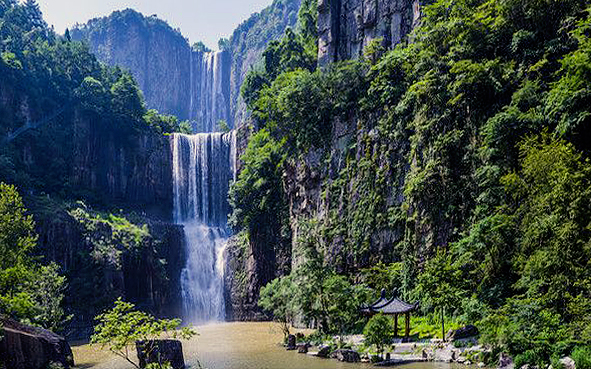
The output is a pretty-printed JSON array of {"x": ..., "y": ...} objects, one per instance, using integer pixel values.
[
  {"x": 80, "y": 156},
  {"x": 248, "y": 42},
  {"x": 193, "y": 84},
  {"x": 347, "y": 201},
  {"x": 134, "y": 172},
  {"x": 174, "y": 78},
  {"x": 99, "y": 267},
  {"x": 346, "y": 27}
]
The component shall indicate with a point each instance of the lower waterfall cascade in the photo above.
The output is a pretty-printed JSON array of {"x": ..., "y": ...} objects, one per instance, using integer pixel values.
[{"x": 203, "y": 167}]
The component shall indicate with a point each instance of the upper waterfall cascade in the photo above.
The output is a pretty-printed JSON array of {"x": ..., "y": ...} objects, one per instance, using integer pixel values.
[
  {"x": 203, "y": 167},
  {"x": 210, "y": 90}
]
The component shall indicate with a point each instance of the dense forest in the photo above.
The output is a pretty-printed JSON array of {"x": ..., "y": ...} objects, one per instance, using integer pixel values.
[{"x": 466, "y": 147}]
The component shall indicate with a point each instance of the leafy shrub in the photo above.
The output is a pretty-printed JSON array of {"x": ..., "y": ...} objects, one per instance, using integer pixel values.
[
  {"x": 582, "y": 357},
  {"x": 379, "y": 331}
]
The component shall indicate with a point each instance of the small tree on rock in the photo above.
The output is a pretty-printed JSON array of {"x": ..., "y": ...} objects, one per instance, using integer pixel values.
[{"x": 120, "y": 328}]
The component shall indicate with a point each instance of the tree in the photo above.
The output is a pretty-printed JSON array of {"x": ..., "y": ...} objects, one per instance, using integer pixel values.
[
  {"x": 185, "y": 127},
  {"x": 200, "y": 47},
  {"x": 121, "y": 327},
  {"x": 17, "y": 229},
  {"x": 28, "y": 291},
  {"x": 379, "y": 331},
  {"x": 162, "y": 123},
  {"x": 553, "y": 193},
  {"x": 278, "y": 298},
  {"x": 127, "y": 99},
  {"x": 6, "y": 5},
  {"x": 67, "y": 35},
  {"x": 257, "y": 195},
  {"x": 17, "y": 240},
  {"x": 47, "y": 292},
  {"x": 374, "y": 50},
  {"x": 439, "y": 283},
  {"x": 382, "y": 277},
  {"x": 93, "y": 96},
  {"x": 342, "y": 301},
  {"x": 34, "y": 13}
]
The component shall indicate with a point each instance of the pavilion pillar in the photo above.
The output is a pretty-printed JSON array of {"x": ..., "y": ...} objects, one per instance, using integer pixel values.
[
  {"x": 395, "y": 325},
  {"x": 407, "y": 325}
]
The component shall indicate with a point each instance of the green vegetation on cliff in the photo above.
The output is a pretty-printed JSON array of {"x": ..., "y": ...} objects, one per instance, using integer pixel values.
[
  {"x": 29, "y": 291},
  {"x": 461, "y": 157}
]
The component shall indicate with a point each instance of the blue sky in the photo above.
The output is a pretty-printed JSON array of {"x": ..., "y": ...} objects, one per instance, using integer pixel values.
[{"x": 199, "y": 20}]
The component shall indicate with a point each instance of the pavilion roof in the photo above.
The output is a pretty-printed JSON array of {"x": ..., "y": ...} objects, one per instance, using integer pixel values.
[{"x": 391, "y": 306}]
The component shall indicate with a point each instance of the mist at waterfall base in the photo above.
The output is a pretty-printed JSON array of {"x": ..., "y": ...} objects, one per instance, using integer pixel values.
[{"x": 203, "y": 166}]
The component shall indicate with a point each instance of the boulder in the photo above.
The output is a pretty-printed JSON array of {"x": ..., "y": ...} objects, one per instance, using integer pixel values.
[
  {"x": 505, "y": 362},
  {"x": 445, "y": 354},
  {"x": 26, "y": 347},
  {"x": 160, "y": 351},
  {"x": 348, "y": 356},
  {"x": 464, "y": 332},
  {"x": 323, "y": 351},
  {"x": 291, "y": 342},
  {"x": 568, "y": 363},
  {"x": 303, "y": 348}
]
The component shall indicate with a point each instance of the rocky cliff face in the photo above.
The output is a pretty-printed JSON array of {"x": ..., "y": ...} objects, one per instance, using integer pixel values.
[
  {"x": 322, "y": 185},
  {"x": 248, "y": 42},
  {"x": 95, "y": 279},
  {"x": 157, "y": 55},
  {"x": 79, "y": 156},
  {"x": 175, "y": 78},
  {"x": 134, "y": 170},
  {"x": 346, "y": 27},
  {"x": 194, "y": 84}
]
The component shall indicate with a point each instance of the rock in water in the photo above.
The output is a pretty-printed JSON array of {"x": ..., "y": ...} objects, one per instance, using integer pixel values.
[
  {"x": 26, "y": 347},
  {"x": 291, "y": 342},
  {"x": 303, "y": 348},
  {"x": 348, "y": 356},
  {"x": 323, "y": 351},
  {"x": 160, "y": 351}
]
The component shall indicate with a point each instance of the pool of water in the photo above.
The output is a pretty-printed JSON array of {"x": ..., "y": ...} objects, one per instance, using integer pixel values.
[{"x": 234, "y": 346}]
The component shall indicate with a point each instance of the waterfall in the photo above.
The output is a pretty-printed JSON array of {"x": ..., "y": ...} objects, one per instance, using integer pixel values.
[
  {"x": 191, "y": 84},
  {"x": 203, "y": 167},
  {"x": 210, "y": 100}
]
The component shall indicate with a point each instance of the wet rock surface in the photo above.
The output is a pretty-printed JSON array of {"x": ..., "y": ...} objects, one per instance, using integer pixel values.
[
  {"x": 161, "y": 351},
  {"x": 348, "y": 356},
  {"x": 26, "y": 347}
]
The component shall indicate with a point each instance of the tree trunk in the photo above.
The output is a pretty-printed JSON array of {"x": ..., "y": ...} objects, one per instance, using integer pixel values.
[{"x": 442, "y": 324}]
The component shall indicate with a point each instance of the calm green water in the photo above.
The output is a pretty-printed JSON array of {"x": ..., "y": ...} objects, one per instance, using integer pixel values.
[{"x": 235, "y": 346}]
